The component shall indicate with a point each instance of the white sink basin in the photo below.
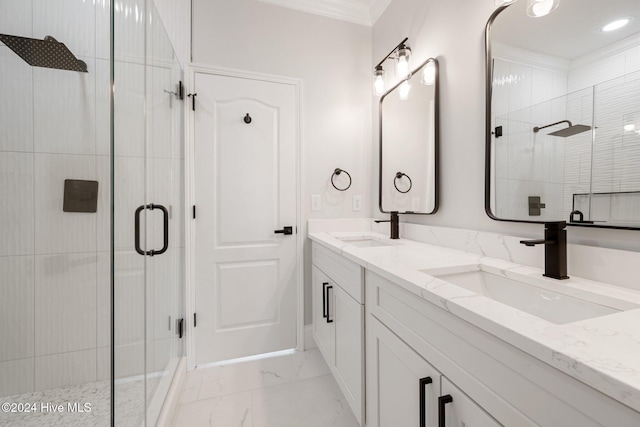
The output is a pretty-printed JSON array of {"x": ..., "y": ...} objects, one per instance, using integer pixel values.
[
  {"x": 364, "y": 242},
  {"x": 549, "y": 305}
]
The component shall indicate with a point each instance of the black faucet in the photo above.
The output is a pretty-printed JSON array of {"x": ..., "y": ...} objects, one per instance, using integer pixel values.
[
  {"x": 395, "y": 224},
  {"x": 555, "y": 249}
]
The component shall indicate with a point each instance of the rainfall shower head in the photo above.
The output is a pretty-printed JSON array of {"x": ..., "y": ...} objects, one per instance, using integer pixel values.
[
  {"x": 47, "y": 53},
  {"x": 566, "y": 132}
]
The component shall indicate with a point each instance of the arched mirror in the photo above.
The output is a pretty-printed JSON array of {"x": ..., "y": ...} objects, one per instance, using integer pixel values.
[
  {"x": 563, "y": 112},
  {"x": 408, "y": 179}
]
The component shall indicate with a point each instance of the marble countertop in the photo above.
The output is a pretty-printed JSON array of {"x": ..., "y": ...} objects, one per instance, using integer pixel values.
[{"x": 603, "y": 352}]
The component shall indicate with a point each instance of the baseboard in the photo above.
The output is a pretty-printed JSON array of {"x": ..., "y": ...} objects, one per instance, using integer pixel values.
[
  {"x": 173, "y": 396},
  {"x": 309, "y": 342}
]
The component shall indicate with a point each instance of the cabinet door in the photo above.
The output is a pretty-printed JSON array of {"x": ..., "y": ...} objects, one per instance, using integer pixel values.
[
  {"x": 459, "y": 410},
  {"x": 402, "y": 388},
  {"x": 322, "y": 325},
  {"x": 348, "y": 317}
]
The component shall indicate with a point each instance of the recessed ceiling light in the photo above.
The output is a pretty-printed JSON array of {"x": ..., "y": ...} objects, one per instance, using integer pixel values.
[{"x": 617, "y": 24}]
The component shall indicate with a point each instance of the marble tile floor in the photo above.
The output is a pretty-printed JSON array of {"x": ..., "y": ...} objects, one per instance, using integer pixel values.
[{"x": 291, "y": 390}]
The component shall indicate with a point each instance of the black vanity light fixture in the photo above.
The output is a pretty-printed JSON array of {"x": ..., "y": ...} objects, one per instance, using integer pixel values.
[{"x": 401, "y": 55}]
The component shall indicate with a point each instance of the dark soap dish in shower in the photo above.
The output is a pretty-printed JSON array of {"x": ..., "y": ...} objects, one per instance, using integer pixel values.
[{"x": 80, "y": 196}]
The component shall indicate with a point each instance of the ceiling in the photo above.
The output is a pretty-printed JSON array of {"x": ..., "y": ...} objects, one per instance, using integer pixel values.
[
  {"x": 571, "y": 31},
  {"x": 363, "y": 12}
]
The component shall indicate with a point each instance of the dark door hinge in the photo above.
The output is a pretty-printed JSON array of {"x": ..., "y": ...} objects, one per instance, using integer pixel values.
[
  {"x": 195, "y": 320},
  {"x": 193, "y": 100},
  {"x": 180, "y": 90},
  {"x": 194, "y": 211}
]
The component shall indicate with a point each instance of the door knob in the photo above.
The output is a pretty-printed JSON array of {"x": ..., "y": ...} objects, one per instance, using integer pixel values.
[{"x": 285, "y": 230}]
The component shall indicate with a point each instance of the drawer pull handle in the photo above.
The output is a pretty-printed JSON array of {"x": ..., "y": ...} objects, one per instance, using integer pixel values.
[
  {"x": 442, "y": 401},
  {"x": 423, "y": 394},
  {"x": 324, "y": 300},
  {"x": 328, "y": 307}
]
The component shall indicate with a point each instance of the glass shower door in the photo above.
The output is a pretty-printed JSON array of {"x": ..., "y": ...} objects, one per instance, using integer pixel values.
[{"x": 148, "y": 213}]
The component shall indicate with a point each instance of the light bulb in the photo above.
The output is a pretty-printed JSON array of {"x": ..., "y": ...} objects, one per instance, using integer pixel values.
[
  {"x": 403, "y": 90},
  {"x": 429, "y": 74},
  {"x": 402, "y": 66},
  {"x": 539, "y": 8},
  {"x": 630, "y": 127},
  {"x": 378, "y": 80}
]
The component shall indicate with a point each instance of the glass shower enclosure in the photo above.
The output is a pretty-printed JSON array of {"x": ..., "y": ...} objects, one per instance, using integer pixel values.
[{"x": 91, "y": 213}]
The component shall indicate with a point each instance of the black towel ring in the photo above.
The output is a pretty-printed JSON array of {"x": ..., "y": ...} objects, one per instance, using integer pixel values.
[
  {"x": 338, "y": 171},
  {"x": 398, "y": 176}
]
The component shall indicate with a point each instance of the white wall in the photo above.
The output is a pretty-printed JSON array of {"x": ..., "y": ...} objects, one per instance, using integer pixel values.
[
  {"x": 453, "y": 31},
  {"x": 332, "y": 59}
]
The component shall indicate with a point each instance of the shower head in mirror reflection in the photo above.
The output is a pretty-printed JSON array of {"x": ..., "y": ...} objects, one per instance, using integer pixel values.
[{"x": 566, "y": 132}]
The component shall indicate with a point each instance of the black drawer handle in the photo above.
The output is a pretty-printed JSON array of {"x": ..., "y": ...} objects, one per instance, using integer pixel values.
[
  {"x": 423, "y": 395},
  {"x": 442, "y": 401},
  {"x": 328, "y": 308},
  {"x": 324, "y": 300}
]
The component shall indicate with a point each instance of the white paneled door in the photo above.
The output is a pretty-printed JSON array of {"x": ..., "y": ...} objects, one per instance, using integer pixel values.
[{"x": 246, "y": 268}]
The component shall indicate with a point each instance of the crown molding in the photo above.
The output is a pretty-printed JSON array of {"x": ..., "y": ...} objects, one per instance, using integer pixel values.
[
  {"x": 376, "y": 8},
  {"x": 355, "y": 11}
]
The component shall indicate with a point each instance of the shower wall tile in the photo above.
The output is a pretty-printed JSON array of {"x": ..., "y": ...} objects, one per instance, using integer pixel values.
[
  {"x": 16, "y": 377},
  {"x": 130, "y": 27},
  {"x": 69, "y": 21},
  {"x": 65, "y": 110},
  {"x": 62, "y": 370},
  {"x": 103, "y": 29},
  {"x": 65, "y": 303},
  {"x": 16, "y": 307},
  {"x": 129, "y": 120},
  {"x": 17, "y": 207},
  {"x": 104, "y": 363},
  {"x": 163, "y": 351},
  {"x": 103, "y": 107},
  {"x": 129, "y": 360},
  {"x": 57, "y": 231},
  {"x": 16, "y": 103},
  {"x": 129, "y": 194},
  {"x": 591, "y": 74},
  {"x": 159, "y": 111},
  {"x": 129, "y": 298},
  {"x": 103, "y": 214},
  {"x": 16, "y": 18},
  {"x": 103, "y": 299}
]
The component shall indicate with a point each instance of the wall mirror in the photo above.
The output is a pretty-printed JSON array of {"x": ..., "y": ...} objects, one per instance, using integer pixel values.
[
  {"x": 408, "y": 120},
  {"x": 563, "y": 112}
]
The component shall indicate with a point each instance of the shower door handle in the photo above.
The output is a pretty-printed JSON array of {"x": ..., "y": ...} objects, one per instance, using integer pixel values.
[{"x": 165, "y": 231}]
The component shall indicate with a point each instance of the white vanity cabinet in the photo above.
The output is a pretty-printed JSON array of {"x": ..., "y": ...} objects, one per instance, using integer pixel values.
[
  {"x": 338, "y": 322},
  {"x": 490, "y": 382},
  {"x": 457, "y": 409},
  {"x": 404, "y": 389}
]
